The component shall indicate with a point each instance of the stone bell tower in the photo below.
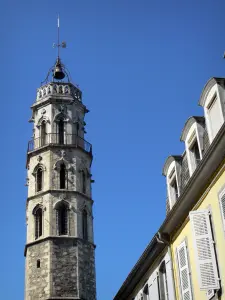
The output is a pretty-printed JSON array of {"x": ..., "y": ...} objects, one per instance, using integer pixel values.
[{"x": 60, "y": 250}]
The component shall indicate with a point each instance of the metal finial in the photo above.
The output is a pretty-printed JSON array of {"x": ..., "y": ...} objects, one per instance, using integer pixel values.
[
  {"x": 58, "y": 70},
  {"x": 58, "y": 45}
]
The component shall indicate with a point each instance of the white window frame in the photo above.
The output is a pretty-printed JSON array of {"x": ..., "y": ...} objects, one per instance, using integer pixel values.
[
  {"x": 214, "y": 93},
  {"x": 195, "y": 134},
  {"x": 184, "y": 244},
  {"x": 173, "y": 174},
  {"x": 165, "y": 281},
  {"x": 201, "y": 236}
]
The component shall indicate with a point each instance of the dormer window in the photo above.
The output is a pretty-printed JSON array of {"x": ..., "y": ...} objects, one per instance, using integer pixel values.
[
  {"x": 213, "y": 103},
  {"x": 192, "y": 135},
  {"x": 195, "y": 153},
  {"x": 215, "y": 119},
  {"x": 173, "y": 186},
  {"x": 172, "y": 171}
]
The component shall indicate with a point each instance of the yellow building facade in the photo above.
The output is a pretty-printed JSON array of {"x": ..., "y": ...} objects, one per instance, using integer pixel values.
[
  {"x": 209, "y": 201},
  {"x": 185, "y": 260}
]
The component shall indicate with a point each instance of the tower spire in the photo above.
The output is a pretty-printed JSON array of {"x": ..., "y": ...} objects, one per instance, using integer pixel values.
[{"x": 58, "y": 69}]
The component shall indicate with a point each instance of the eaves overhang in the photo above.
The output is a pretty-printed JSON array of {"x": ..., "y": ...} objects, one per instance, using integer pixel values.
[
  {"x": 190, "y": 121},
  {"x": 211, "y": 82},
  {"x": 151, "y": 252}
]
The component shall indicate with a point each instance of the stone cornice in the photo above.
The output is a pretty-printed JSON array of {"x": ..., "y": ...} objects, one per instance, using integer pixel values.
[
  {"x": 56, "y": 237},
  {"x": 50, "y": 146},
  {"x": 57, "y": 191},
  {"x": 58, "y": 99}
]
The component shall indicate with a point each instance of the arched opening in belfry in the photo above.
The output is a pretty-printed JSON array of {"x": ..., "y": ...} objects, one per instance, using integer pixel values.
[
  {"x": 61, "y": 131},
  {"x": 43, "y": 134},
  {"x": 62, "y": 219},
  {"x": 85, "y": 225},
  {"x": 62, "y": 176}
]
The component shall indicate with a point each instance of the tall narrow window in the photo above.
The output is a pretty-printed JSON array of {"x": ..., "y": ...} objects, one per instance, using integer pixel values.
[
  {"x": 195, "y": 154},
  {"x": 38, "y": 223},
  {"x": 145, "y": 292},
  {"x": 215, "y": 116},
  {"x": 222, "y": 207},
  {"x": 184, "y": 272},
  {"x": 77, "y": 128},
  {"x": 62, "y": 219},
  {"x": 163, "y": 288},
  {"x": 83, "y": 181},
  {"x": 43, "y": 134},
  {"x": 61, "y": 131},
  {"x": 39, "y": 180},
  {"x": 62, "y": 176},
  {"x": 174, "y": 189},
  {"x": 204, "y": 250},
  {"x": 85, "y": 225}
]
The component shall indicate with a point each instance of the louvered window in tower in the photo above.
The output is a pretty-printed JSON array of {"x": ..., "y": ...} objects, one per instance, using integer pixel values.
[
  {"x": 85, "y": 225},
  {"x": 62, "y": 219},
  {"x": 83, "y": 181},
  {"x": 222, "y": 207},
  {"x": 43, "y": 135},
  {"x": 62, "y": 176},
  {"x": 61, "y": 131},
  {"x": 39, "y": 179},
  {"x": 38, "y": 223},
  {"x": 204, "y": 250},
  {"x": 184, "y": 272}
]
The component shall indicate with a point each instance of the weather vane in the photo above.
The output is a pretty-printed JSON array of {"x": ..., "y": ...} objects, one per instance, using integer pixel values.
[
  {"x": 58, "y": 45},
  {"x": 58, "y": 69}
]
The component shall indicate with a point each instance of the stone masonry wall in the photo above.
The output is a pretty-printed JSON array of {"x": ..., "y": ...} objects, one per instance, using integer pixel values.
[
  {"x": 37, "y": 279},
  {"x": 86, "y": 263},
  {"x": 64, "y": 268}
]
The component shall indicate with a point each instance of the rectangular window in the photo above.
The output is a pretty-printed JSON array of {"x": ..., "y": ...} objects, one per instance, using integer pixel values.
[
  {"x": 174, "y": 189},
  {"x": 204, "y": 250},
  {"x": 215, "y": 118},
  {"x": 222, "y": 207},
  {"x": 163, "y": 287},
  {"x": 195, "y": 154},
  {"x": 154, "y": 289},
  {"x": 184, "y": 272}
]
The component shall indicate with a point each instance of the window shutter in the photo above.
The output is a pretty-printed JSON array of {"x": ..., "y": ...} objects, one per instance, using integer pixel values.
[
  {"x": 214, "y": 111},
  {"x": 185, "y": 282},
  {"x": 204, "y": 250},
  {"x": 222, "y": 206},
  {"x": 154, "y": 289}
]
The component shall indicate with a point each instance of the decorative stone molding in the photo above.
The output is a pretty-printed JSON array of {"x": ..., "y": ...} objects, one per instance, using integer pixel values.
[
  {"x": 43, "y": 119},
  {"x": 57, "y": 88},
  {"x": 39, "y": 165},
  {"x": 59, "y": 202}
]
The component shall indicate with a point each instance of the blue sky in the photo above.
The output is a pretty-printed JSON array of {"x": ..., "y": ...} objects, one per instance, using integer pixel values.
[{"x": 141, "y": 66}]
